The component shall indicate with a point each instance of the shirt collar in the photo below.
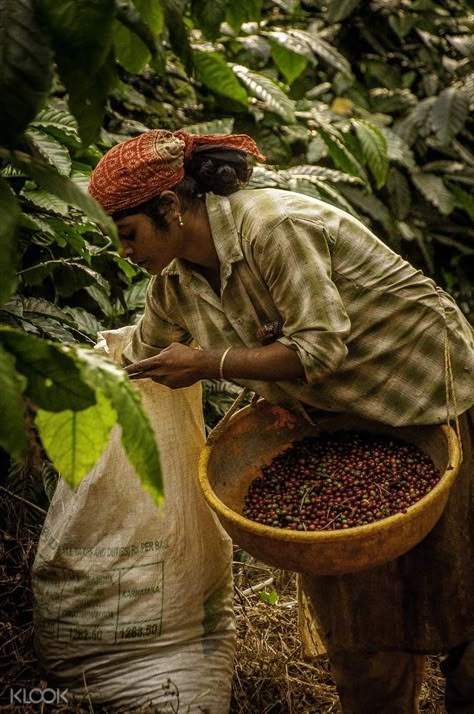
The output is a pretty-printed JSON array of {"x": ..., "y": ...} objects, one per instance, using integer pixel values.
[{"x": 225, "y": 235}]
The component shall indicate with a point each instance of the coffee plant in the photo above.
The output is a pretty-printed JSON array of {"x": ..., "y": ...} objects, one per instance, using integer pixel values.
[{"x": 363, "y": 104}]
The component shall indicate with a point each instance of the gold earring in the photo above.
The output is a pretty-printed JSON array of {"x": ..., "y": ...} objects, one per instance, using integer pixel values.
[{"x": 180, "y": 221}]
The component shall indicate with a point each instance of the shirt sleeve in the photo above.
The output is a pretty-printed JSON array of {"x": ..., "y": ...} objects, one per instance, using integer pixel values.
[
  {"x": 295, "y": 263},
  {"x": 153, "y": 332}
]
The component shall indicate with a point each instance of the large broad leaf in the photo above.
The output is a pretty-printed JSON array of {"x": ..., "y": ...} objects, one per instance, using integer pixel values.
[
  {"x": 409, "y": 127},
  {"x": 464, "y": 200},
  {"x": 10, "y": 216},
  {"x": 25, "y": 67},
  {"x": 371, "y": 206},
  {"x": 135, "y": 36},
  {"x": 397, "y": 149},
  {"x": 50, "y": 150},
  {"x": 214, "y": 72},
  {"x": 208, "y": 16},
  {"x": 88, "y": 95},
  {"x": 69, "y": 277},
  {"x": 81, "y": 31},
  {"x": 12, "y": 407},
  {"x": 85, "y": 323},
  {"x": 325, "y": 51},
  {"x": 74, "y": 441},
  {"x": 66, "y": 190},
  {"x": 434, "y": 190},
  {"x": 290, "y": 63},
  {"x": 178, "y": 32},
  {"x": 449, "y": 114},
  {"x": 82, "y": 39},
  {"x": 269, "y": 93},
  {"x": 137, "y": 434},
  {"x": 243, "y": 11},
  {"x": 321, "y": 173},
  {"x": 216, "y": 126},
  {"x": 44, "y": 200},
  {"x": 338, "y": 10},
  {"x": 54, "y": 380},
  {"x": 340, "y": 154},
  {"x": 328, "y": 193},
  {"x": 58, "y": 123},
  {"x": 374, "y": 149},
  {"x": 399, "y": 193}
]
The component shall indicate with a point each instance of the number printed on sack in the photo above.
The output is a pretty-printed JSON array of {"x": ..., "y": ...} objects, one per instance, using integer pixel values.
[
  {"x": 138, "y": 631},
  {"x": 83, "y": 634}
]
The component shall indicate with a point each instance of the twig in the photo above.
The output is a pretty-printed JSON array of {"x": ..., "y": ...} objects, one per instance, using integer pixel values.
[
  {"x": 24, "y": 500},
  {"x": 259, "y": 586}
]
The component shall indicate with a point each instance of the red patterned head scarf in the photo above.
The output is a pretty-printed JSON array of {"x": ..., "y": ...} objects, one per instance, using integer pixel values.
[{"x": 138, "y": 169}]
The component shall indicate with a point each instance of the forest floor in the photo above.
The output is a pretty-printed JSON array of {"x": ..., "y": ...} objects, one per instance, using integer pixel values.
[{"x": 272, "y": 673}]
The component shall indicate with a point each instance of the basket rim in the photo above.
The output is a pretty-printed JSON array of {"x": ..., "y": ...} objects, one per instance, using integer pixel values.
[{"x": 356, "y": 532}]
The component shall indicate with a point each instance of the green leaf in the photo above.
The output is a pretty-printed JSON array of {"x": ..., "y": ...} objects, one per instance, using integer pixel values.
[
  {"x": 40, "y": 306},
  {"x": 25, "y": 67},
  {"x": 463, "y": 200},
  {"x": 50, "y": 150},
  {"x": 81, "y": 31},
  {"x": 269, "y": 93},
  {"x": 399, "y": 193},
  {"x": 434, "y": 190},
  {"x": 12, "y": 406},
  {"x": 88, "y": 95},
  {"x": 135, "y": 295},
  {"x": 85, "y": 322},
  {"x": 10, "y": 213},
  {"x": 338, "y": 10},
  {"x": 178, "y": 32},
  {"x": 58, "y": 123},
  {"x": 137, "y": 434},
  {"x": 333, "y": 196},
  {"x": 271, "y": 598},
  {"x": 45, "y": 200},
  {"x": 397, "y": 149},
  {"x": 402, "y": 24},
  {"x": 418, "y": 117},
  {"x": 243, "y": 11},
  {"x": 135, "y": 36},
  {"x": 449, "y": 114},
  {"x": 325, "y": 51},
  {"x": 213, "y": 71},
  {"x": 216, "y": 126},
  {"x": 54, "y": 380},
  {"x": 297, "y": 45},
  {"x": 320, "y": 173},
  {"x": 371, "y": 206},
  {"x": 66, "y": 190},
  {"x": 208, "y": 16},
  {"x": 340, "y": 154},
  {"x": 290, "y": 64},
  {"x": 69, "y": 277},
  {"x": 74, "y": 441},
  {"x": 82, "y": 37},
  {"x": 374, "y": 148}
]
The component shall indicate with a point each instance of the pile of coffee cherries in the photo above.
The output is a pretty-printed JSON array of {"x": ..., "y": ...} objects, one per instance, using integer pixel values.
[{"x": 338, "y": 481}]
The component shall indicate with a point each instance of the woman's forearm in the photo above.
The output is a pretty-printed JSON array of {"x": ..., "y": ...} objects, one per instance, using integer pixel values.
[{"x": 269, "y": 363}]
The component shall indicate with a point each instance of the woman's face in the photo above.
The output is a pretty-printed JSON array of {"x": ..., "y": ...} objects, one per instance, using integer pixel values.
[{"x": 145, "y": 244}]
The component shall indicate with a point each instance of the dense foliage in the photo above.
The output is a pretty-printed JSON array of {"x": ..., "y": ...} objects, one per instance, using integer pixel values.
[{"x": 363, "y": 104}]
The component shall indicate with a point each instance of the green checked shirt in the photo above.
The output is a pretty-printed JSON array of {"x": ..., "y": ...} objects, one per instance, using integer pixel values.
[{"x": 369, "y": 328}]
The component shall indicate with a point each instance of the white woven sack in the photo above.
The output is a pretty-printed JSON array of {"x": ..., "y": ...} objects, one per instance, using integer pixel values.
[{"x": 133, "y": 603}]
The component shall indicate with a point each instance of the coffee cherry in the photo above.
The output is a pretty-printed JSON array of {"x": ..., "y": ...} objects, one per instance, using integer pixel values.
[{"x": 339, "y": 481}]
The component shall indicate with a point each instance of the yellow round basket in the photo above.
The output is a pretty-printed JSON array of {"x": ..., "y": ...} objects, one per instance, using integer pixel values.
[{"x": 256, "y": 434}]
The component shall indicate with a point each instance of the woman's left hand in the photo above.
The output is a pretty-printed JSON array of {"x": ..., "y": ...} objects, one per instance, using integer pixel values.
[{"x": 175, "y": 366}]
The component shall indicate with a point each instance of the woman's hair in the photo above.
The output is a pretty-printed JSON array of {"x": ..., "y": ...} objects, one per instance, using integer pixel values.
[{"x": 215, "y": 169}]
